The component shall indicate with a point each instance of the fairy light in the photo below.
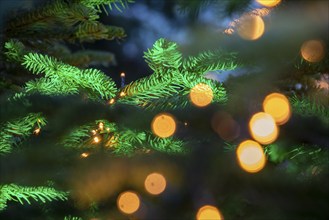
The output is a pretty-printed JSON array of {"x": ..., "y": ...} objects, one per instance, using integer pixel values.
[
  {"x": 101, "y": 126},
  {"x": 96, "y": 139},
  {"x": 251, "y": 27},
  {"x": 108, "y": 129},
  {"x": 111, "y": 101},
  {"x": 122, "y": 76},
  {"x": 122, "y": 94},
  {"x": 278, "y": 106},
  {"x": 201, "y": 95},
  {"x": 263, "y": 128},
  {"x": 268, "y": 3},
  {"x": 93, "y": 132},
  {"x": 37, "y": 131},
  {"x": 128, "y": 202},
  {"x": 84, "y": 155},
  {"x": 209, "y": 212},
  {"x": 155, "y": 183},
  {"x": 251, "y": 156},
  {"x": 163, "y": 125}
]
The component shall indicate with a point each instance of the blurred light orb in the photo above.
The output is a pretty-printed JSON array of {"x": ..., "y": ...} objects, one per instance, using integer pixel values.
[
  {"x": 268, "y": 3},
  {"x": 225, "y": 126},
  {"x": 251, "y": 27},
  {"x": 263, "y": 128},
  {"x": 163, "y": 125},
  {"x": 313, "y": 50},
  {"x": 201, "y": 95},
  {"x": 251, "y": 156},
  {"x": 209, "y": 212},
  {"x": 155, "y": 183},
  {"x": 278, "y": 106},
  {"x": 128, "y": 202}
]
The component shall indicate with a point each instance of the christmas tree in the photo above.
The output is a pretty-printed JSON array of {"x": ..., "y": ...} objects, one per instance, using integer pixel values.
[{"x": 230, "y": 121}]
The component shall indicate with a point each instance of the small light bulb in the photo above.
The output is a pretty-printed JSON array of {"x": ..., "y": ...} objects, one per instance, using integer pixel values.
[
  {"x": 96, "y": 140},
  {"x": 101, "y": 126},
  {"x": 84, "y": 155},
  {"x": 122, "y": 75},
  {"x": 37, "y": 131},
  {"x": 122, "y": 94},
  {"x": 111, "y": 101},
  {"x": 108, "y": 129},
  {"x": 93, "y": 132}
]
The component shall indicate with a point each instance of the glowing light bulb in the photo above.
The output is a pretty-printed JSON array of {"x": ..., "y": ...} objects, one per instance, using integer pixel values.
[
  {"x": 313, "y": 50},
  {"x": 163, "y": 125},
  {"x": 128, "y": 202},
  {"x": 37, "y": 131},
  {"x": 263, "y": 128},
  {"x": 201, "y": 95},
  {"x": 268, "y": 3},
  {"x": 111, "y": 101},
  {"x": 251, "y": 27},
  {"x": 278, "y": 106},
  {"x": 96, "y": 140},
  {"x": 101, "y": 126},
  {"x": 93, "y": 132},
  {"x": 84, "y": 155},
  {"x": 122, "y": 94},
  {"x": 155, "y": 183},
  {"x": 209, "y": 212},
  {"x": 251, "y": 156},
  {"x": 122, "y": 75}
]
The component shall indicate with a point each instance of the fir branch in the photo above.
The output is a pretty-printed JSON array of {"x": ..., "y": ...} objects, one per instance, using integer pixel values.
[
  {"x": 167, "y": 145},
  {"x": 19, "y": 128},
  {"x": 15, "y": 50},
  {"x": 13, "y": 192},
  {"x": 210, "y": 61},
  {"x": 307, "y": 107}
]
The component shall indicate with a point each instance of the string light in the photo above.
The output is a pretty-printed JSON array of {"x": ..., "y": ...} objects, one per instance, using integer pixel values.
[
  {"x": 93, "y": 132},
  {"x": 101, "y": 126},
  {"x": 278, "y": 106},
  {"x": 84, "y": 155},
  {"x": 96, "y": 139},
  {"x": 313, "y": 50},
  {"x": 122, "y": 75},
  {"x": 263, "y": 128},
  {"x": 111, "y": 101},
  {"x": 163, "y": 125},
  {"x": 251, "y": 27},
  {"x": 122, "y": 94},
  {"x": 268, "y": 3},
  {"x": 128, "y": 202},
  {"x": 108, "y": 129},
  {"x": 209, "y": 212},
  {"x": 251, "y": 156},
  {"x": 37, "y": 131},
  {"x": 201, "y": 95},
  {"x": 155, "y": 183}
]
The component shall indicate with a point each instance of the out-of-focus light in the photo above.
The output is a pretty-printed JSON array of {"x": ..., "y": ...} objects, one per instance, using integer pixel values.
[
  {"x": 209, "y": 212},
  {"x": 251, "y": 27},
  {"x": 122, "y": 94},
  {"x": 278, "y": 106},
  {"x": 263, "y": 128},
  {"x": 93, "y": 132},
  {"x": 225, "y": 126},
  {"x": 155, "y": 183},
  {"x": 84, "y": 155},
  {"x": 122, "y": 75},
  {"x": 37, "y": 131},
  {"x": 251, "y": 156},
  {"x": 101, "y": 126},
  {"x": 111, "y": 101},
  {"x": 268, "y": 3},
  {"x": 313, "y": 50},
  {"x": 163, "y": 125},
  {"x": 128, "y": 202},
  {"x": 96, "y": 140},
  {"x": 201, "y": 95}
]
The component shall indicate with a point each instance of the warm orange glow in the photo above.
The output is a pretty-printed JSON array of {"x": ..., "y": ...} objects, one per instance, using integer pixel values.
[
  {"x": 155, "y": 183},
  {"x": 251, "y": 27},
  {"x": 128, "y": 202},
  {"x": 84, "y": 155},
  {"x": 122, "y": 75},
  {"x": 268, "y": 3},
  {"x": 263, "y": 128},
  {"x": 101, "y": 126},
  {"x": 37, "y": 131},
  {"x": 278, "y": 106},
  {"x": 93, "y": 132},
  {"x": 251, "y": 156},
  {"x": 163, "y": 125},
  {"x": 122, "y": 94},
  {"x": 201, "y": 95},
  {"x": 96, "y": 140},
  {"x": 111, "y": 101},
  {"x": 209, "y": 212},
  {"x": 312, "y": 50}
]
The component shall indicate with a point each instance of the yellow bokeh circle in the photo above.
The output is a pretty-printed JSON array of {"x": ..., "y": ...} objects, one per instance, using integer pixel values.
[
  {"x": 201, "y": 95},
  {"x": 278, "y": 106},
  {"x": 251, "y": 27},
  {"x": 263, "y": 128},
  {"x": 251, "y": 156},
  {"x": 268, "y": 3},
  {"x": 163, "y": 125},
  {"x": 155, "y": 183},
  {"x": 209, "y": 212},
  {"x": 128, "y": 202},
  {"x": 313, "y": 50}
]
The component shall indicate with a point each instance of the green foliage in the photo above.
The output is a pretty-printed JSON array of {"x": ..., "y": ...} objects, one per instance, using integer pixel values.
[
  {"x": 118, "y": 4},
  {"x": 306, "y": 107},
  {"x": 13, "y": 192},
  {"x": 15, "y": 50},
  {"x": 168, "y": 145},
  {"x": 15, "y": 131},
  {"x": 72, "y": 218}
]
